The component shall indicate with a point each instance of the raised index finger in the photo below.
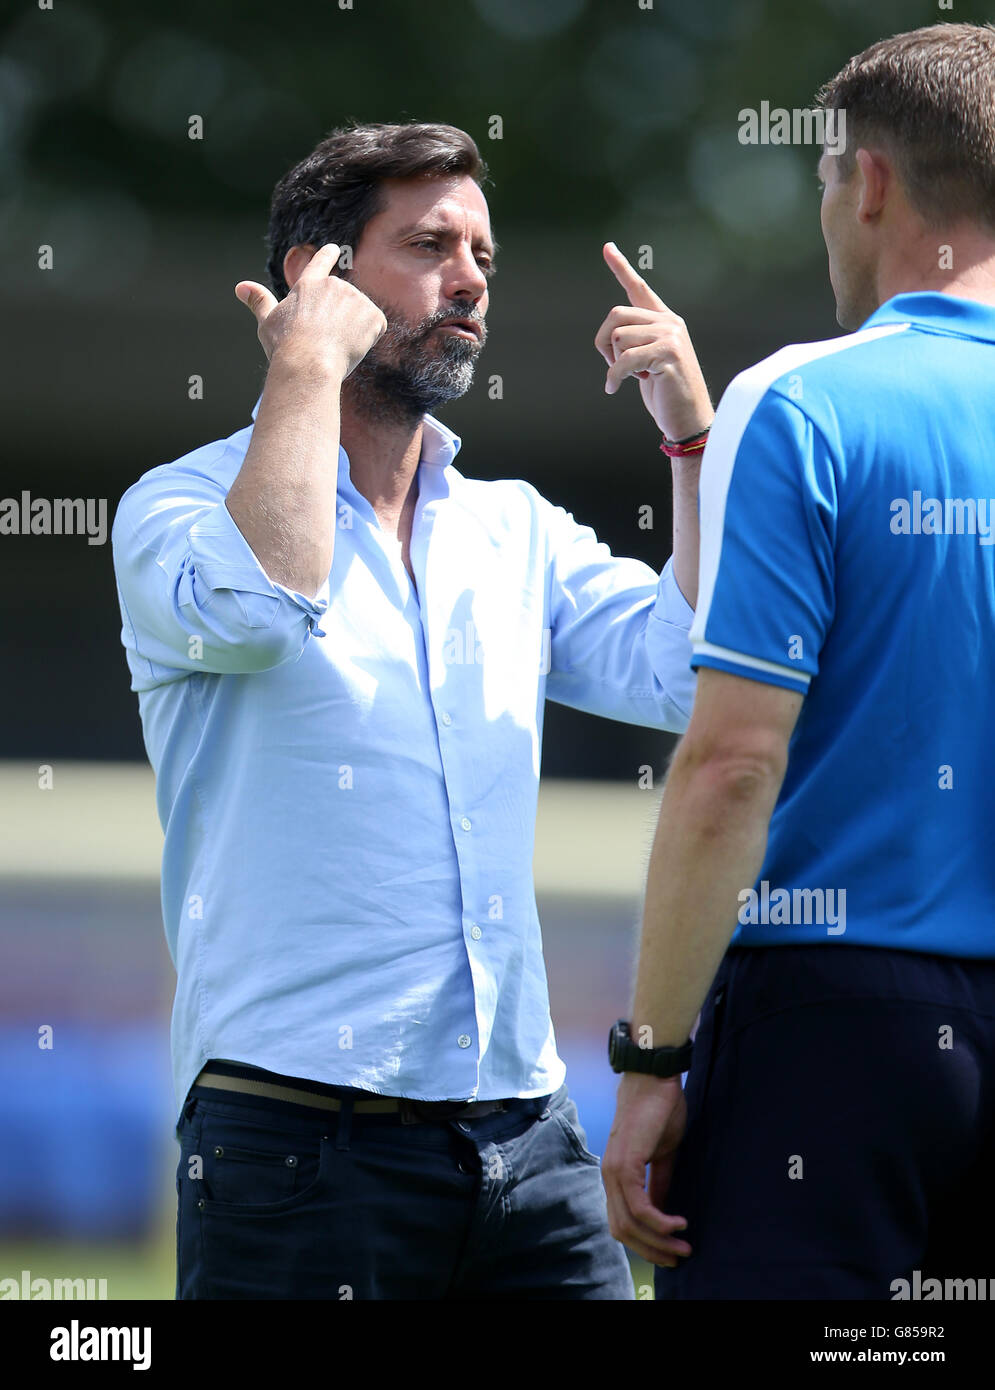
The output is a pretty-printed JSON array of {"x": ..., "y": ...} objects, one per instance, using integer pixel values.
[
  {"x": 322, "y": 262},
  {"x": 640, "y": 294}
]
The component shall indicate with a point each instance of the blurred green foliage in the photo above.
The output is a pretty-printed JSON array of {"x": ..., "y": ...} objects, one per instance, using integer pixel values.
[{"x": 605, "y": 104}]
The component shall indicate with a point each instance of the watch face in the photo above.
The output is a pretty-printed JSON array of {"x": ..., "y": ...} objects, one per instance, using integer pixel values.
[{"x": 614, "y": 1047}]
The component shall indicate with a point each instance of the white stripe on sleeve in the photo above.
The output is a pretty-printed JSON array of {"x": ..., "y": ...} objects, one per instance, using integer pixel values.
[{"x": 735, "y": 411}]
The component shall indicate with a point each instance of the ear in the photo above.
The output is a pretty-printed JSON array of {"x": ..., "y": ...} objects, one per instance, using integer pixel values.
[
  {"x": 877, "y": 180},
  {"x": 294, "y": 262}
]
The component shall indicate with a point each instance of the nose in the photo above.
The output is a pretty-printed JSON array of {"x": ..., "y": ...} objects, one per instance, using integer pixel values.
[{"x": 466, "y": 280}]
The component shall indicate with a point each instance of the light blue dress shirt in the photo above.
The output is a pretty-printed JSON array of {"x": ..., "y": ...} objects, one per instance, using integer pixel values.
[{"x": 347, "y": 784}]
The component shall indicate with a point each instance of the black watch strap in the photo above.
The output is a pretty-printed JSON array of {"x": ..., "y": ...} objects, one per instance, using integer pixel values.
[{"x": 625, "y": 1054}]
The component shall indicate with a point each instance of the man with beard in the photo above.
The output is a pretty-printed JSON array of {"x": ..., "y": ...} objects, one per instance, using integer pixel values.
[{"x": 342, "y": 649}]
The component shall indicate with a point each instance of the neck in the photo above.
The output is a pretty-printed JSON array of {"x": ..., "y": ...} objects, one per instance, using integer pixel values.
[
  {"x": 383, "y": 456},
  {"x": 960, "y": 262}
]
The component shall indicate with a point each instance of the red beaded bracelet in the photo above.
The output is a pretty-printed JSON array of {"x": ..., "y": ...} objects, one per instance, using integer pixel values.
[{"x": 680, "y": 448}]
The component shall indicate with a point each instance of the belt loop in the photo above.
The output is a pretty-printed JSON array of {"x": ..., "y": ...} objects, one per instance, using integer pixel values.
[{"x": 344, "y": 1129}]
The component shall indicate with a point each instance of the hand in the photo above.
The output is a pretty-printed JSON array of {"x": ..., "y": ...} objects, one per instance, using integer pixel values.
[
  {"x": 645, "y": 339},
  {"x": 650, "y": 1117},
  {"x": 323, "y": 319}
]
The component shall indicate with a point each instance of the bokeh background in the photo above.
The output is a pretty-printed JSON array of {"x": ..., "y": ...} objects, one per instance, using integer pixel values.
[{"x": 619, "y": 120}]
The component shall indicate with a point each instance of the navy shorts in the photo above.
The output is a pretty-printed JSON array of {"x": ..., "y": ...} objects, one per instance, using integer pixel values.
[
  {"x": 840, "y": 1126},
  {"x": 276, "y": 1201}
]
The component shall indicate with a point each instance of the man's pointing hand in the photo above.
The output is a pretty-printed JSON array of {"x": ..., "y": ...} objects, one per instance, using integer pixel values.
[{"x": 645, "y": 339}]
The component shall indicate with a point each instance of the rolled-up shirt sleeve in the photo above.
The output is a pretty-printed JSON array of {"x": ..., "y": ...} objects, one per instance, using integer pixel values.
[
  {"x": 193, "y": 595},
  {"x": 619, "y": 642},
  {"x": 668, "y": 641}
]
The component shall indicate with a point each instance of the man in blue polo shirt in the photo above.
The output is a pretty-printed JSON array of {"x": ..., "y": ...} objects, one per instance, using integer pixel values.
[{"x": 834, "y": 796}]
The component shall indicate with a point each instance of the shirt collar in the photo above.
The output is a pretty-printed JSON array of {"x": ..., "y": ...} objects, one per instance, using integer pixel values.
[
  {"x": 439, "y": 444},
  {"x": 968, "y": 317}
]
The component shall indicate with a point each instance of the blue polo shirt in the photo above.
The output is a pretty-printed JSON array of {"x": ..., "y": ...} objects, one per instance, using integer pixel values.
[{"x": 848, "y": 552}]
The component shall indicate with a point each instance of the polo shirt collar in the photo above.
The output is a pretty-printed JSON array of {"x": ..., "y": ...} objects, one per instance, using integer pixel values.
[{"x": 945, "y": 312}]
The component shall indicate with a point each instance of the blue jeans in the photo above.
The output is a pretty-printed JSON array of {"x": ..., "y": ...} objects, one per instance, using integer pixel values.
[{"x": 279, "y": 1202}]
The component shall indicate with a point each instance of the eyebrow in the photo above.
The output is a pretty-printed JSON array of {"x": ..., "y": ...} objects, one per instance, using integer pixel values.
[{"x": 437, "y": 229}]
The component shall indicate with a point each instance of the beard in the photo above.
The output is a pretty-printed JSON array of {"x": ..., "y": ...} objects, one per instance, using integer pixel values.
[{"x": 411, "y": 370}]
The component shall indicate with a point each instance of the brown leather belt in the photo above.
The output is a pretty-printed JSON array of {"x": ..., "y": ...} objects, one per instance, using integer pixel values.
[{"x": 241, "y": 1079}]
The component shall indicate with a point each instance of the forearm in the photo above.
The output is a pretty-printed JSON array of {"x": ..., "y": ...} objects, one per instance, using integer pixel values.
[
  {"x": 284, "y": 497},
  {"x": 709, "y": 846},
  {"x": 686, "y": 473}
]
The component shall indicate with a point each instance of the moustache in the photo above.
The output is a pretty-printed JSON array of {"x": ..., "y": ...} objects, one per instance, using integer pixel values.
[{"x": 460, "y": 317}]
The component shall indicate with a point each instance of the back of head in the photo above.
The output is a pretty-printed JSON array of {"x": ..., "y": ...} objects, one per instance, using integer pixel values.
[{"x": 927, "y": 97}]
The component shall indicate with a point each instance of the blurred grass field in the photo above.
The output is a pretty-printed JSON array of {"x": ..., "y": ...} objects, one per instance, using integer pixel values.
[{"x": 143, "y": 1271}]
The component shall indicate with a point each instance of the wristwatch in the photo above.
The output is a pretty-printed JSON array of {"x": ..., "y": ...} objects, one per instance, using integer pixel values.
[{"x": 626, "y": 1055}]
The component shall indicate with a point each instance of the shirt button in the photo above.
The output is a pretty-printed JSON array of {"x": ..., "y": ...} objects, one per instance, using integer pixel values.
[
  {"x": 464, "y": 1039},
  {"x": 475, "y": 932},
  {"x": 465, "y": 823},
  {"x": 447, "y": 719}
]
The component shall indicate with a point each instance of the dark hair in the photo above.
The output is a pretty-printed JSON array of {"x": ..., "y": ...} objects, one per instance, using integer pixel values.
[
  {"x": 333, "y": 193},
  {"x": 929, "y": 97}
]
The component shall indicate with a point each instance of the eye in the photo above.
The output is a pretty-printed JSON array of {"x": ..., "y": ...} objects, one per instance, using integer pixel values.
[{"x": 430, "y": 242}]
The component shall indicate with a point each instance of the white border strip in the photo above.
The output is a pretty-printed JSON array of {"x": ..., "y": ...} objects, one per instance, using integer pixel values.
[
  {"x": 735, "y": 411},
  {"x": 753, "y": 662}
]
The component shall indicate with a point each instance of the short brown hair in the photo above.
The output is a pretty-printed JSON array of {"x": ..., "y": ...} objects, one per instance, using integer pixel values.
[
  {"x": 929, "y": 97},
  {"x": 333, "y": 193}
]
